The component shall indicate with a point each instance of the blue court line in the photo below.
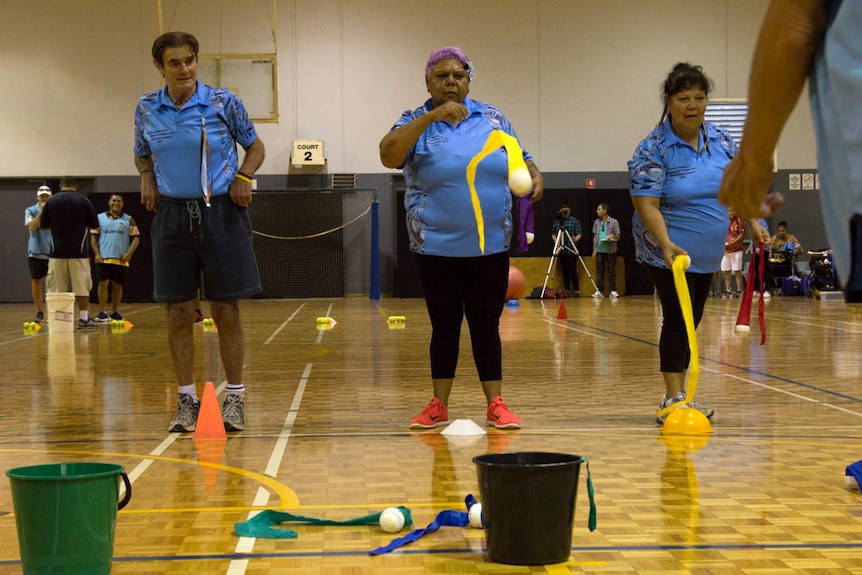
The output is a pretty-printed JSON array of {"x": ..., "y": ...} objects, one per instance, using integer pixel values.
[
  {"x": 462, "y": 551},
  {"x": 725, "y": 364}
]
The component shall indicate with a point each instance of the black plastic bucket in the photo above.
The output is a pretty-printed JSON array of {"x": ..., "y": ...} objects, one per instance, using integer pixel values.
[{"x": 528, "y": 505}]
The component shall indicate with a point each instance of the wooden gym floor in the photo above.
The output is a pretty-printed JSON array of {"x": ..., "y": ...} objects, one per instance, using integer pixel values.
[{"x": 327, "y": 437}]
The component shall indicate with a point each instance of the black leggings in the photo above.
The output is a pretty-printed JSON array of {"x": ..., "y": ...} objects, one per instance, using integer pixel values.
[
  {"x": 474, "y": 287},
  {"x": 674, "y": 353}
]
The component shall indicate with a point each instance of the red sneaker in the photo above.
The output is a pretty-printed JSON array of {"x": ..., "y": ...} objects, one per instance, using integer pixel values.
[
  {"x": 435, "y": 414},
  {"x": 500, "y": 417}
]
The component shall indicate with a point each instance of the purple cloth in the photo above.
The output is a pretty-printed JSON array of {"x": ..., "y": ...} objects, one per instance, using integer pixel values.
[{"x": 525, "y": 221}]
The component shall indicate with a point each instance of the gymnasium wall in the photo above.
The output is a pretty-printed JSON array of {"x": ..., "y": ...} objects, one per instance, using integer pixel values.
[{"x": 578, "y": 78}]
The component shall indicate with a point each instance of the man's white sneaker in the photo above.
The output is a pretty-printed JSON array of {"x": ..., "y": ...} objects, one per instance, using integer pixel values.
[
  {"x": 598, "y": 295},
  {"x": 614, "y": 295}
]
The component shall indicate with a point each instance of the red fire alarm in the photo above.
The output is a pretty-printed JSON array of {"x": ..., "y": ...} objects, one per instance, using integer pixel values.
[{"x": 591, "y": 183}]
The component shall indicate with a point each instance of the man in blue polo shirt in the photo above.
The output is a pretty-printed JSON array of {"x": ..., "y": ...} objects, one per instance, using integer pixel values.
[
  {"x": 185, "y": 150},
  {"x": 38, "y": 248},
  {"x": 113, "y": 243}
]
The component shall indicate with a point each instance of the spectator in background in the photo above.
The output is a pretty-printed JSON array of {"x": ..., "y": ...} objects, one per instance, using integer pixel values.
[
  {"x": 606, "y": 234},
  {"x": 113, "y": 243},
  {"x": 71, "y": 216},
  {"x": 38, "y": 248},
  {"x": 784, "y": 242},
  {"x": 754, "y": 268},
  {"x": 731, "y": 263},
  {"x": 566, "y": 248}
]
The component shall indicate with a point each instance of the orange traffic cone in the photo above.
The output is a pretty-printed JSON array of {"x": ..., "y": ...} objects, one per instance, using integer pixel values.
[
  {"x": 562, "y": 313},
  {"x": 210, "y": 424}
]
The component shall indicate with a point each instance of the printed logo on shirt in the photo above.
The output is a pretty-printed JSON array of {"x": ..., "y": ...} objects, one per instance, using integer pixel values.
[
  {"x": 159, "y": 135},
  {"x": 680, "y": 172},
  {"x": 436, "y": 140}
]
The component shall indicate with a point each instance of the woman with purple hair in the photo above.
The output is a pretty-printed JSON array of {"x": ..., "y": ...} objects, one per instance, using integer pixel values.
[{"x": 459, "y": 220}]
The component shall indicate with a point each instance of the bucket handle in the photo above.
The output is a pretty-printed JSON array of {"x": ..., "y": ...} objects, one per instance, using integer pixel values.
[{"x": 128, "y": 495}]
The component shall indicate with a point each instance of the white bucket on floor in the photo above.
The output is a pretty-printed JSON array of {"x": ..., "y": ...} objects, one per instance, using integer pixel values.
[{"x": 61, "y": 311}]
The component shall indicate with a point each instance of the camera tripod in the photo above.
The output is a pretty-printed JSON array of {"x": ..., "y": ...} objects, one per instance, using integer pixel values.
[{"x": 559, "y": 246}]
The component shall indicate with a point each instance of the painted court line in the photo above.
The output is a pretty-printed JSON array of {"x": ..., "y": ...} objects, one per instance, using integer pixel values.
[
  {"x": 791, "y": 393},
  {"x": 245, "y": 545},
  {"x": 577, "y": 551},
  {"x": 284, "y": 436},
  {"x": 282, "y": 326},
  {"x": 570, "y": 328}
]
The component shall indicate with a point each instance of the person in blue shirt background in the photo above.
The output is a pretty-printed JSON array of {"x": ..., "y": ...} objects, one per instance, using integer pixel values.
[
  {"x": 38, "y": 248},
  {"x": 674, "y": 176},
  {"x": 186, "y": 135},
  {"x": 459, "y": 232},
  {"x": 113, "y": 244}
]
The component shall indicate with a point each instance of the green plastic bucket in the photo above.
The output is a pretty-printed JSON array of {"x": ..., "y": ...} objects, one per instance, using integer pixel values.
[{"x": 66, "y": 514}]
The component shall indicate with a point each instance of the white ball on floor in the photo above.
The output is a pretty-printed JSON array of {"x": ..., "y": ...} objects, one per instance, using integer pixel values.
[
  {"x": 391, "y": 520},
  {"x": 475, "y": 516}
]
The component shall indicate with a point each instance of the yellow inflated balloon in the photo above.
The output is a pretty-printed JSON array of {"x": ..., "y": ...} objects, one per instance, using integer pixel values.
[{"x": 686, "y": 421}]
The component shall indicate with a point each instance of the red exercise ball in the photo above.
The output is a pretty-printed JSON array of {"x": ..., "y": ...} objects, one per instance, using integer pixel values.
[{"x": 517, "y": 284}]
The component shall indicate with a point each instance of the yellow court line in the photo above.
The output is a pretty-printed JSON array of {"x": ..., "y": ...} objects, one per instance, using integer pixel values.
[
  {"x": 292, "y": 508},
  {"x": 287, "y": 497}
]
